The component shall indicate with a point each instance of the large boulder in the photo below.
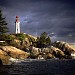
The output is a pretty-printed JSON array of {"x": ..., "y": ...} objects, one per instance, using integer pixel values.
[
  {"x": 57, "y": 52},
  {"x": 34, "y": 52},
  {"x": 48, "y": 56},
  {"x": 40, "y": 57},
  {"x": 46, "y": 50},
  {"x": 4, "y": 57},
  {"x": 24, "y": 44},
  {"x": 14, "y": 52},
  {"x": 64, "y": 46}
]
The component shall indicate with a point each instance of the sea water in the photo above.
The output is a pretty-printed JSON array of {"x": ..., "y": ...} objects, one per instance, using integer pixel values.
[{"x": 40, "y": 67}]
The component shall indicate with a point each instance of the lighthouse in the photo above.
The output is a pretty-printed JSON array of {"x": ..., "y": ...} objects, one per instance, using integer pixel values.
[{"x": 17, "y": 25}]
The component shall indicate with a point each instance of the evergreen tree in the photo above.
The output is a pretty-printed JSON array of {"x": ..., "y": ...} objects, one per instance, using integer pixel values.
[
  {"x": 3, "y": 24},
  {"x": 43, "y": 40},
  {"x": 48, "y": 40}
]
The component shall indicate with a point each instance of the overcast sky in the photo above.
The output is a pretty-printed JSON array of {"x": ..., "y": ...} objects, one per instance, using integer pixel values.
[{"x": 56, "y": 17}]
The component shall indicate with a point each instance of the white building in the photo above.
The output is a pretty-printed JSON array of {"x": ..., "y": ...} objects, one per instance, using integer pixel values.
[{"x": 17, "y": 25}]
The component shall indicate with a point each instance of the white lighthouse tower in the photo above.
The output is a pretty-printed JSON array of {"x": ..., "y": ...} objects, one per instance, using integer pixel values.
[{"x": 17, "y": 25}]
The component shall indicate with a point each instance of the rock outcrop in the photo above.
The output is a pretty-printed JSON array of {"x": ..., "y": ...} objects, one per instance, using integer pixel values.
[
  {"x": 57, "y": 52},
  {"x": 8, "y": 51},
  {"x": 65, "y": 47},
  {"x": 60, "y": 50},
  {"x": 46, "y": 53},
  {"x": 14, "y": 52},
  {"x": 4, "y": 57},
  {"x": 34, "y": 52},
  {"x": 20, "y": 41}
]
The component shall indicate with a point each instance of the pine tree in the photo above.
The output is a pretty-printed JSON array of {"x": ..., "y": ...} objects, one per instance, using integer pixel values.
[
  {"x": 48, "y": 40},
  {"x": 44, "y": 40},
  {"x": 3, "y": 24}
]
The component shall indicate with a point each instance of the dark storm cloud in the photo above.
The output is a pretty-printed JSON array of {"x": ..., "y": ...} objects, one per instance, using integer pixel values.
[{"x": 37, "y": 16}]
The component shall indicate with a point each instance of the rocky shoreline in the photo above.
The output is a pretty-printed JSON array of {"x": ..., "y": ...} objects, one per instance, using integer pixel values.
[
  {"x": 10, "y": 54},
  {"x": 22, "y": 46}
]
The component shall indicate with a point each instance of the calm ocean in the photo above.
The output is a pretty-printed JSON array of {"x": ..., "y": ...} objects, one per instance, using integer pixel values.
[{"x": 47, "y": 67}]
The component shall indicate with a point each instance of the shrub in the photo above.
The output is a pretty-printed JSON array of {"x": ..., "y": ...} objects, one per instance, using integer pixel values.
[
  {"x": 6, "y": 37},
  {"x": 21, "y": 36}
]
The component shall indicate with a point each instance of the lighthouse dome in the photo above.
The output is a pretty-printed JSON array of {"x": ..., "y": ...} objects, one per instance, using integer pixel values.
[{"x": 17, "y": 16}]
